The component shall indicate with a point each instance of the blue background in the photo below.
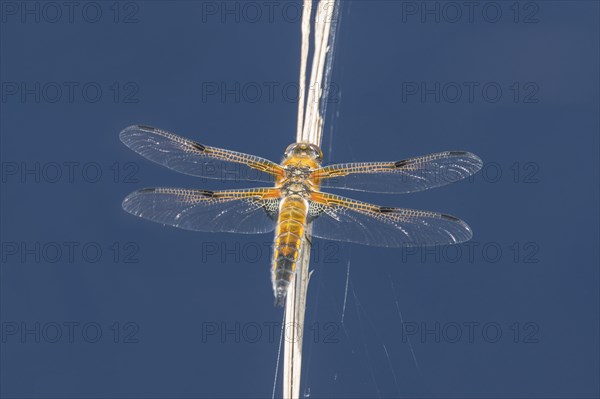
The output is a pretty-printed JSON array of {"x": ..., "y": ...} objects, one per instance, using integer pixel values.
[{"x": 541, "y": 211}]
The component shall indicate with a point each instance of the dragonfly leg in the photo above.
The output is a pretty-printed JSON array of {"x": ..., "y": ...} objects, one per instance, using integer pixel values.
[{"x": 308, "y": 239}]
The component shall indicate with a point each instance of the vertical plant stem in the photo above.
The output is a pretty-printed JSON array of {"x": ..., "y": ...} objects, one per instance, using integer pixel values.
[{"x": 311, "y": 115}]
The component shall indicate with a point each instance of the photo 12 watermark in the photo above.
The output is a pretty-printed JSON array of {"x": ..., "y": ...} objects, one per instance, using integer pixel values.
[
  {"x": 250, "y": 252},
  {"x": 68, "y": 172},
  {"x": 470, "y": 12},
  {"x": 69, "y": 332},
  {"x": 69, "y": 92},
  {"x": 470, "y": 332},
  {"x": 69, "y": 12},
  {"x": 470, "y": 92},
  {"x": 68, "y": 252},
  {"x": 517, "y": 172},
  {"x": 266, "y": 92},
  {"x": 492, "y": 172},
  {"x": 473, "y": 252},
  {"x": 236, "y": 332},
  {"x": 264, "y": 12}
]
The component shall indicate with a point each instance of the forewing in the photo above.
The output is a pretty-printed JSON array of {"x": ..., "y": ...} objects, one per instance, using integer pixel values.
[
  {"x": 192, "y": 158},
  {"x": 247, "y": 211},
  {"x": 409, "y": 175},
  {"x": 342, "y": 219}
]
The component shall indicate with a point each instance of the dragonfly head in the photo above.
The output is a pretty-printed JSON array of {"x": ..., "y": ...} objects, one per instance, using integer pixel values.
[{"x": 304, "y": 150}]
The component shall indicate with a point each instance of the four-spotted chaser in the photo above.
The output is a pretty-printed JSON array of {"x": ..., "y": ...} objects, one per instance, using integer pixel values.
[{"x": 294, "y": 200}]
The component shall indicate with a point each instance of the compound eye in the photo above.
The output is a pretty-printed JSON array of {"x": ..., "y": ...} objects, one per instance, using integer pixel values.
[{"x": 316, "y": 152}]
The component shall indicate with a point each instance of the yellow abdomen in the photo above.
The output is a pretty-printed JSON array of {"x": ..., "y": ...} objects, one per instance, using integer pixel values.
[{"x": 291, "y": 224}]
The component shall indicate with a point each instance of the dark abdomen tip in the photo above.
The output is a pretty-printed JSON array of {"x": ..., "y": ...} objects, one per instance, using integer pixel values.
[{"x": 280, "y": 295}]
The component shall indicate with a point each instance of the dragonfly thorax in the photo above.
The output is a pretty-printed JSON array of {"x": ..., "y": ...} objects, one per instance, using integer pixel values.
[
  {"x": 297, "y": 181},
  {"x": 297, "y": 173},
  {"x": 301, "y": 189}
]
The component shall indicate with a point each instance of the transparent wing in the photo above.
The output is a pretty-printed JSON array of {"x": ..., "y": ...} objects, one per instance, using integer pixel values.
[
  {"x": 192, "y": 158},
  {"x": 247, "y": 211},
  {"x": 342, "y": 219},
  {"x": 409, "y": 175}
]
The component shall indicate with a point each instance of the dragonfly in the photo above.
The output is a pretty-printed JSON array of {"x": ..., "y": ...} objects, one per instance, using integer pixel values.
[{"x": 293, "y": 198}]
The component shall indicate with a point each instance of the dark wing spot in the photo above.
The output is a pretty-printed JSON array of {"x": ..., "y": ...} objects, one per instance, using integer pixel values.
[
  {"x": 402, "y": 163},
  {"x": 450, "y": 217},
  {"x": 206, "y": 193},
  {"x": 457, "y": 153},
  {"x": 386, "y": 209},
  {"x": 197, "y": 146},
  {"x": 148, "y": 128}
]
